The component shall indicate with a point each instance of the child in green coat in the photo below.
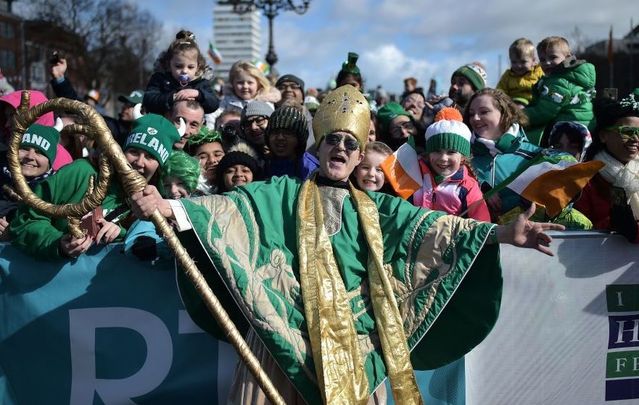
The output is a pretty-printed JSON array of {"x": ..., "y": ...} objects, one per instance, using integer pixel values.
[{"x": 565, "y": 92}]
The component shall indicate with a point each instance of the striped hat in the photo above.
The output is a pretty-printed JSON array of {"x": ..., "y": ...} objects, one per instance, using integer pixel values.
[{"x": 448, "y": 132}]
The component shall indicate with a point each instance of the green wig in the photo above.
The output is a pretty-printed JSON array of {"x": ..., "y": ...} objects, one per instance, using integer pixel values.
[
  {"x": 182, "y": 166},
  {"x": 205, "y": 135}
]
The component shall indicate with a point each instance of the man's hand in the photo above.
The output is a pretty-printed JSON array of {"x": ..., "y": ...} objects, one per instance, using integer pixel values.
[
  {"x": 144, "y": 203},
  {"x": 528, "y": 234},
  {"x": 72, "y": 247},
  {"x": 59, "y": 69}
]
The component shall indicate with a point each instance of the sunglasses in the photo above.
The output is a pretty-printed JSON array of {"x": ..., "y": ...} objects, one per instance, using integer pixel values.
[
  {"x": 350, "y": 144},
  {"x": 627, "y": 133}
]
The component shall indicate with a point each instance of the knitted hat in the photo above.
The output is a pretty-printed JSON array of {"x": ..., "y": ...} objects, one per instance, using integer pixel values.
[
  {"x": 43, "y": 139},
  {"x": 389, "y": 112},
  {"x": 290, "y": 78},
  {"x": 311, "y": 103},
  {"x": 448, "y": 133},
  {"x": 239, "y": 154},
  {"x": 290, "y": 118},
  {"x": 256, "y": 108},
  {"x": 154, "y": 134},
  {"x": 350, "y": 66},
  {"x": 475, "y": 74},
  {"x": 135, "y": 97}
]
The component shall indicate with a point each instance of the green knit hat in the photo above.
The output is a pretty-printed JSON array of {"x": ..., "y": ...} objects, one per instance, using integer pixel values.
[
  {"x": 448, "y": 135},
  {"x": 475, "y": 74},
  {"x": 43, "y": 139},
  {"x": 389, "y": 112},
  {"x": 154, "y": 134},
  {"x": 350, "y": 66}
]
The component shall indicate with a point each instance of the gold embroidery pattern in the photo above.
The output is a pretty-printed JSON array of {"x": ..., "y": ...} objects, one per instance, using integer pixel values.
[
  {"x": 388, "y": 319},
  {"x": 332, "y": 205},
  {"x": 339, "y": 362},
  {"x": 256, "y": 302},
  {"x": 437, "y": 253}
]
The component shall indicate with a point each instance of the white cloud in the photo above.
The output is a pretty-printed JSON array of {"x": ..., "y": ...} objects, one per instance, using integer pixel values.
[{"x": 387, "y": 64}]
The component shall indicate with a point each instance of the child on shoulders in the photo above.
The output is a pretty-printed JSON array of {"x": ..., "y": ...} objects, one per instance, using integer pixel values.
[
  {"x": 518, "y": 81},
  {"x": 182, "y": 67},
  {"x": 565, "y": 92}
]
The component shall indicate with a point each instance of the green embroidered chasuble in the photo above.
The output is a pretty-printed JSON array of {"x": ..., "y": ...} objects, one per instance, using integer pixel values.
[{"x": 446, "y": 281}]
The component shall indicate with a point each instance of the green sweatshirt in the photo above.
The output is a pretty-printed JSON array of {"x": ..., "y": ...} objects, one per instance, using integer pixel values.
[{"x": 38, "y": 234}]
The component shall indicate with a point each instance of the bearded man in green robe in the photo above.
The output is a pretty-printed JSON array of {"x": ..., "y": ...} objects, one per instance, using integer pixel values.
[{"x": 342, "y": 288}]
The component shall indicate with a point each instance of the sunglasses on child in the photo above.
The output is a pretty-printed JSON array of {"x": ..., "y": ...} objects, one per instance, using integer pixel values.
[
  {"x": 627, "y": 133},
  {"x": 350, "y": 144}
]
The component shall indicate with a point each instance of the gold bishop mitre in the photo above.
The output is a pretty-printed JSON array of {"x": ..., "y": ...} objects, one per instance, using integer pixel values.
[{"x": 343, "y": 109}]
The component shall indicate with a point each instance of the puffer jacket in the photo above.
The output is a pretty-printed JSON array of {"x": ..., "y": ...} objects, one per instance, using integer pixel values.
[
  {"x": 564, "y": 95},
  {"x": 520, "y": 86}
]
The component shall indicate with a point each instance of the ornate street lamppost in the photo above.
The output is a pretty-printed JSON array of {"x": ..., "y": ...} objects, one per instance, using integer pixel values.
[{"x": 271, "y": 9}]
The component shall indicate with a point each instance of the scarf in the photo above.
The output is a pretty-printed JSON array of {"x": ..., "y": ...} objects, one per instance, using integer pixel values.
[
  {"x": 623, "y": 176},
  {"x": 503, "y": 143},
  {"x": 8, "y": 179},
  {"x": 339, "y": 363}
]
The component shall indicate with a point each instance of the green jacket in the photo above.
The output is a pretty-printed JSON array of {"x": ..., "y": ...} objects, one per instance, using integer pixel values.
[
  {"x": 564, "y": 95},
  {"x": 514, "y": 152},
  {"x": 39, "y": 235}
]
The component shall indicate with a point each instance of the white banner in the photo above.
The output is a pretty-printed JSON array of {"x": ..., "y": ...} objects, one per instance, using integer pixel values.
[{"x": 568, "y": 330}]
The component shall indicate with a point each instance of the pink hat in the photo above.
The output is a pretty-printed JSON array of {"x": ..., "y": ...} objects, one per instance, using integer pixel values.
[
  {"x": 37, "y": 97},
  {"x": 13, "y": 99}
]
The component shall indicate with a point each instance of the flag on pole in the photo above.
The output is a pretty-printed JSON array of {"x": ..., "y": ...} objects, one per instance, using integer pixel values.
[
  {"x": 550, "y": 180},
  {"x": 214, "y": 54},
  {"x": 402, "y": 170}
]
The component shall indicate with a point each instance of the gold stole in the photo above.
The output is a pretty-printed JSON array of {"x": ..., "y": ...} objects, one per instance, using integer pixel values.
[{"x": 339, "y": 363}]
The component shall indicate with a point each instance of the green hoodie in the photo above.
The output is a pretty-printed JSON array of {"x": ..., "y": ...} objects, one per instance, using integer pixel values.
[{"x": 564, "y": 95}]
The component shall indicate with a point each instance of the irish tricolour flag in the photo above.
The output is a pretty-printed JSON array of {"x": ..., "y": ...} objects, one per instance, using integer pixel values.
[
  {"x": 402, "y": 170},
  {"x": 214, "y": 54},
  {"x": 551, "y": 180}
]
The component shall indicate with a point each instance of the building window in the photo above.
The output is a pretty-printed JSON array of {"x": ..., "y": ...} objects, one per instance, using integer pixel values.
[
  {"x": 6, "y": 30},
  {"x": 7, "y": 59}
]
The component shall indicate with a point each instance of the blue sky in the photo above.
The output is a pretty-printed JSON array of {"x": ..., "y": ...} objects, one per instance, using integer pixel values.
[{"x": 400, "y": 38}]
